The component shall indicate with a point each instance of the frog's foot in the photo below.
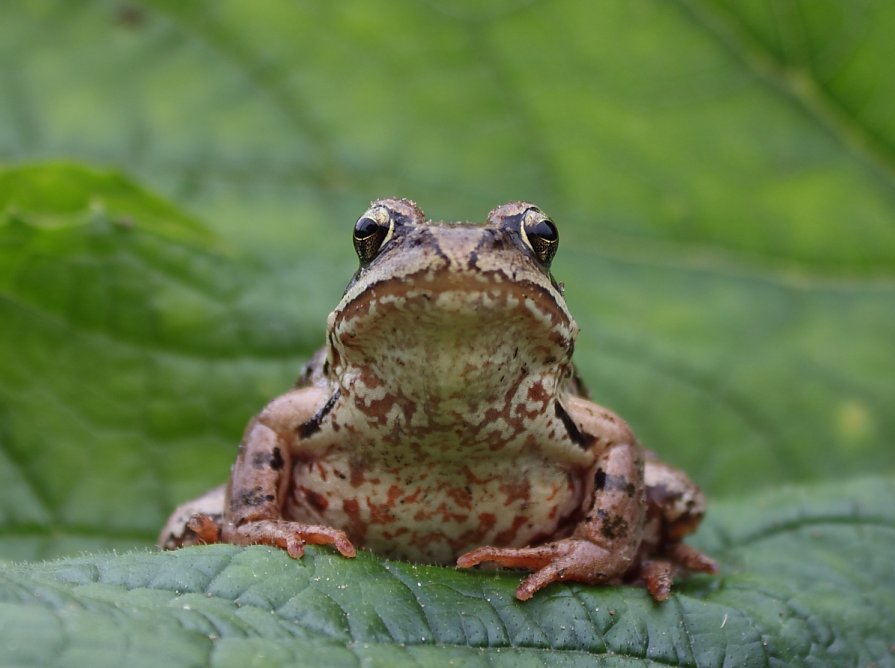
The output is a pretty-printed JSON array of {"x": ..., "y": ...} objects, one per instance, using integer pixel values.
[
  {"x": 204, "y": 529},
  {"x": 290, "y": 536},
  {"x": 196, "y": 529},
  {"x": 195, "y": 522},
  {"x": 657, "y": 574},
  {"x": 568, "y": 559}
]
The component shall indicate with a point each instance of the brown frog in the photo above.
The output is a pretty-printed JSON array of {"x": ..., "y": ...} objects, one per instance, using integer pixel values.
[{"x": 444, "y": 422}]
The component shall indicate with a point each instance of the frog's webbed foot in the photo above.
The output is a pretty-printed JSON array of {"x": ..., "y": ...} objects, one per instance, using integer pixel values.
[
  {"x": 289, "y": 536},
  {"x": 657, "y": 573},
  {"x": 570, "y": 559}
]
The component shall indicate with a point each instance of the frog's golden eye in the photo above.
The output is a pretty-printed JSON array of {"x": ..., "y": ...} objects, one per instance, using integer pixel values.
[
  {"x": 540, "y": 234},
  {"x": 371, "y": 232}
]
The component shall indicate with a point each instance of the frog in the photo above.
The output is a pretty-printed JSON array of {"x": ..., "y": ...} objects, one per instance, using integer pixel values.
[{"x": 444, "y": 422}]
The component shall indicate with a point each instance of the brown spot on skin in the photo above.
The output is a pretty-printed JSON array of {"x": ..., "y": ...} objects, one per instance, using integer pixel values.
[
  {"x": 519, "y": 490},
  {"x": 521, "y": 412},
  {"x": 447, "y": 515},
  {"x": 461, "y": 496},
  {"x": 377, "y": 409},
  {"x": 357, "y": 529},
  {"x": 317, "y": 501},
  {"x": 412, "y": 498},
  {"x": 537, "y": 393},
  {"x": 356, "y": 472},
  {"x": 394, "y": 493},
  {"x": 380, "y": 513}
]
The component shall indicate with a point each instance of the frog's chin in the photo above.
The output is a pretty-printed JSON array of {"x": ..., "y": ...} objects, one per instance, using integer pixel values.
[{"x": 447, "y": 367}]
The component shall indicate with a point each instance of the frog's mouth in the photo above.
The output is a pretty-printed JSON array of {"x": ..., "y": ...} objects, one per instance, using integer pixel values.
[{"x": 462, "y": 337}]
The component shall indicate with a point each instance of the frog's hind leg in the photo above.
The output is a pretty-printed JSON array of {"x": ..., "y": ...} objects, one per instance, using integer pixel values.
[
  {"x": 675, "y": 507},
  {"x": 606, "y": 542},
  {"x": 195, "y": 522}
]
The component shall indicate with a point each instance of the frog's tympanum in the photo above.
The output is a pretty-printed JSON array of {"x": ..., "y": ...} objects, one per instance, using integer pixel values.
[{"x": 443, "y": 422}]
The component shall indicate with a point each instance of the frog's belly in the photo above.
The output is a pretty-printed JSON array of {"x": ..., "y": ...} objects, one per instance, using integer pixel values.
[{"x": 435, "y": 514}]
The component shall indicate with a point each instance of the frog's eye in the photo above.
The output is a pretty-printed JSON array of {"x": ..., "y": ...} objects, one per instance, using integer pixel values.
[
  {"x": 371, "y": 232},
  {"x": 540, "y": 234}
]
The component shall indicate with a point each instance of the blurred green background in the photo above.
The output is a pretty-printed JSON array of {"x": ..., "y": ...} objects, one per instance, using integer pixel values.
[{"x": 180, "y": 181}]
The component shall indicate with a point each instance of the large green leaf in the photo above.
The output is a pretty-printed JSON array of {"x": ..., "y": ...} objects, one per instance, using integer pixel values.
[
  {"x": 808, "y": 580},
  {"x": 722, "y": 174}
]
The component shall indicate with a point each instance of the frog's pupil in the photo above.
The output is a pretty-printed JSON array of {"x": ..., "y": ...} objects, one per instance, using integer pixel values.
[
  {"x": 365, "y": 227},
  {"x": 543, "y": 238},
  {"x": 545, "y": 229}
]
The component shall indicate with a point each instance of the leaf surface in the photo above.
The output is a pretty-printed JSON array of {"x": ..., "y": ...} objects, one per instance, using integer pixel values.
[{"x": 806, "y": 579}]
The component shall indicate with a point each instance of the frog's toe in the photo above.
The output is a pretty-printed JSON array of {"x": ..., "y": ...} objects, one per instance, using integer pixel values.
[
  {"x": 531, "y": 558},
  {"x": 657, "y": 573},
  {"x": 657, "y": 576},
  {"x": 291, "y": 536},
  {"x": 563, "y": 560},
  {"x": 690, "y": 558}
]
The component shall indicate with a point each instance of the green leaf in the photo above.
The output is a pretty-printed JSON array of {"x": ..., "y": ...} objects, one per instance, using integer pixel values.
[
  {"x": 175, "y": 211},
  {"x": 807, "y": 578}
]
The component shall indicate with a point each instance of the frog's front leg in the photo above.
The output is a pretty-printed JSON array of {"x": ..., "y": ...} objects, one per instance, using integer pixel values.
[
  {"x": 262, "y": 477},
  {"x": 605, "y": 543}
]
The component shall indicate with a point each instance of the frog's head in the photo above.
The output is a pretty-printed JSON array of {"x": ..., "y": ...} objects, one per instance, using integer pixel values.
[{"x": 442, "y": 311}]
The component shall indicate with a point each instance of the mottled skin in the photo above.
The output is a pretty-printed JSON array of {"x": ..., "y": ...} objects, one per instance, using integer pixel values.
[{"x": 443, "y": 422}]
